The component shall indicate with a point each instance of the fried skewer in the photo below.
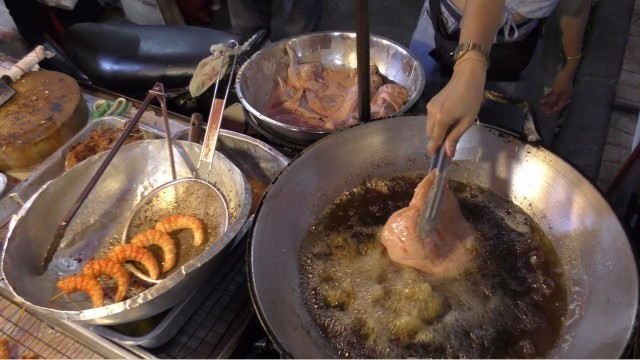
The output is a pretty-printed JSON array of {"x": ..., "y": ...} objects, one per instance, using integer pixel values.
[
  {"x": 111, "y": 268},
  {"x": 138, "y": 254},
  {"x": 5, "y": 350},
  {"x": 83, "y": 282},
  {"x": 177, "y": 222},
  {"x": 161, "y": 239}
]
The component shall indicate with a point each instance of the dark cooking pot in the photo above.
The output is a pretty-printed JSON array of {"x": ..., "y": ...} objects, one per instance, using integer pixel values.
[{"x": 600, "y": 270}]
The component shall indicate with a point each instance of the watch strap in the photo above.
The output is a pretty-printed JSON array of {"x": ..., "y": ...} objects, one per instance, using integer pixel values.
[{"x": 464, "y": 48}]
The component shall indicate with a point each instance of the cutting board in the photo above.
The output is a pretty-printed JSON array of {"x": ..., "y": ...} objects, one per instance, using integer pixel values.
[{"x": 46, "y": 111}]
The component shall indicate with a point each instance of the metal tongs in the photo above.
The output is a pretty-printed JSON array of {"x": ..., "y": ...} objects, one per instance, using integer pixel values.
[
  {"x": 157, "y": 92},
  {"x": 433, "y": 202}
]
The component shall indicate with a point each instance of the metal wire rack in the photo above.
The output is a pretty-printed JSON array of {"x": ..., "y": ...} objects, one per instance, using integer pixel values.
[
  {"x": 30, "y": 337},
  {"x": 216, "y": 326}
]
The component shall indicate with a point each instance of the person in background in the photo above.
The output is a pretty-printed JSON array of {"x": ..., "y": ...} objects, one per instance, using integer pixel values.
[
  {"x": 494, "y": 43},
  {"x": 288, "y": 17}
]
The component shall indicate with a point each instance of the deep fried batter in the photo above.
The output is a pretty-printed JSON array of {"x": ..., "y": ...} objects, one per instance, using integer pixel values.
[
  {"x": 5, "y": 352},
  {"x": 108, "y": 267},
  {"x": 99, "y": 140},
  {"x": 178, "y": 222},
  {"x": 161, "y": 239},
  {"x": 83, "y": 282},
  {"x": 138, "y": 254}
]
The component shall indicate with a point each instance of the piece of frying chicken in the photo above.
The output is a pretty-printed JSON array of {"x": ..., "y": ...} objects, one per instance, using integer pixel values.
[{"x": 448, "y": 251}]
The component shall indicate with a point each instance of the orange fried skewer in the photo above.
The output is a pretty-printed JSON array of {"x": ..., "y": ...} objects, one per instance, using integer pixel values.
[
  {"x": 114, "y": 269},
  {"x": 5, "y": 351},
  {"x": 136, "y": 253},
  {"x": 177, "y": 222},
  {"x": 83, "y": 282},
  {"x": 161, "y": 239}
]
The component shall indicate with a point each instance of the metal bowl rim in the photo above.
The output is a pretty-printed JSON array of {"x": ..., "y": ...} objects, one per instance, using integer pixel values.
[{"x": 262, "y": 117}]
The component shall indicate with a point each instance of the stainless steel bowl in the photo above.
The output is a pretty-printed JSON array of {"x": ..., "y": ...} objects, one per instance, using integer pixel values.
[
  {"x": 99, "y": 225},
  {"x": 334, "y": 50}
]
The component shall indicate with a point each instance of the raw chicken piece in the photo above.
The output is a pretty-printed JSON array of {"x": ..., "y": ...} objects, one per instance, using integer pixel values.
[
  {"x": 448, "y": 251},
  {"x": 321, "y": 98},
  {"x": 304, "y": 76},
  {"x": 388, "y": 99},
  {"x": 375, "y": 80}
]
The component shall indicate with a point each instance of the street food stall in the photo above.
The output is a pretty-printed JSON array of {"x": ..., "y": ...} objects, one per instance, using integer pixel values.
[{"x": 298, "y": 244}]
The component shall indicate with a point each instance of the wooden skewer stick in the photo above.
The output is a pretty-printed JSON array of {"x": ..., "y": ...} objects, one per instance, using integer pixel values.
[
  {"x": 56, "y": 297},
  {"x": 19, "y": 319},
  {"x": 68, "y": 298},
  {"x": 73, "y": 302}
]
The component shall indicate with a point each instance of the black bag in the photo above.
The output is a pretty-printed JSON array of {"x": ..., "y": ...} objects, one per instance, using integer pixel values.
[{"x": 507, "y": 60}]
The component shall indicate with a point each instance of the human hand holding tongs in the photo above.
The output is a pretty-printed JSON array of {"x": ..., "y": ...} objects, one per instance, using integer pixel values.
[{"x": 430, "y": 214}]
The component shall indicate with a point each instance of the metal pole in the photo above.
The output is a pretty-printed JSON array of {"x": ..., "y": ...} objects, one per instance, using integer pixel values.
[{"x": 362, "y": 51}]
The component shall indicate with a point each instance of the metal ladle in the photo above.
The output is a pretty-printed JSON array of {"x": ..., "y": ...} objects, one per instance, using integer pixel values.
[{"x": 191, "y": 196}]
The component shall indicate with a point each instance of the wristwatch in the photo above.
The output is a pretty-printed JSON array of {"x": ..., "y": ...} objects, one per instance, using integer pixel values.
[{"x": 464, "y": 48}]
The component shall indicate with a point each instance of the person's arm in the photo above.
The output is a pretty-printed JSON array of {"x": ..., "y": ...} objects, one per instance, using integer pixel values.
[
  {"x": 458, "y": 103},
  {"x": 575, "y": 14}
]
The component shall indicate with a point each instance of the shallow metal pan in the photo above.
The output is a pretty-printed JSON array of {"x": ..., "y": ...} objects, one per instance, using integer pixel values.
[{"x": 137, "y": 169}]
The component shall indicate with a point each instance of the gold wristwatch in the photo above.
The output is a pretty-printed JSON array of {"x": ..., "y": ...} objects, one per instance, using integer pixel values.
[{"x": 464, "y": 48}]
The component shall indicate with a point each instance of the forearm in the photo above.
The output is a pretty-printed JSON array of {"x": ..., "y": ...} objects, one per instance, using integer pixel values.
[
  {"x": 572, "y": 26},
  {"x": 480, "y": 21}
]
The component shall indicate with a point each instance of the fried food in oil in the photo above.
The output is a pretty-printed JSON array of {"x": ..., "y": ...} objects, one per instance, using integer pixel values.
[
  {"x": 161, "y": 239},
  {"x": 129, "y": 252},
  {"x": 448, "y": 251},
  {"x": 108, "y": 267},
  {"x": 83, "y": 282},
  {"x": 5, "y": 352},
  {"x": 178, "y": 222}
]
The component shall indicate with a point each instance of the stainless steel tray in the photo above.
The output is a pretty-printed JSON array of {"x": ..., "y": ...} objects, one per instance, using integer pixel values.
[{"x": 255, "y": 158}]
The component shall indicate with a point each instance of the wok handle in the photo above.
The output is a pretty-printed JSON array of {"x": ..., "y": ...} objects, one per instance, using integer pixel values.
[
  {"x": 195, "y": 127},
  {"x": 531, "y": 130}
]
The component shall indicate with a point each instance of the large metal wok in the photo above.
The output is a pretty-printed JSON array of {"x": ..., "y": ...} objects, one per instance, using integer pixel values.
[
  {"x": 334, "y": 50},
  {"x": 137, "y": 169},
  {"x": 593, "y": 248}
]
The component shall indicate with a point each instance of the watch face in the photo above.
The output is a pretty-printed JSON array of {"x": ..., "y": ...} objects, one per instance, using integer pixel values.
[{"x": 460, "y": 50}]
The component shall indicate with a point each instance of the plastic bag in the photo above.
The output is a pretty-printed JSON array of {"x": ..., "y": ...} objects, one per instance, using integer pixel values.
[
  {"x": 142, "y": 12},
  {"x": 62, "y": 4}
]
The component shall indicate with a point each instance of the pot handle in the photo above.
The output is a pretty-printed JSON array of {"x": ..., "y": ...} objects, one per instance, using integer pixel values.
[{"x": 530, "y": 131}]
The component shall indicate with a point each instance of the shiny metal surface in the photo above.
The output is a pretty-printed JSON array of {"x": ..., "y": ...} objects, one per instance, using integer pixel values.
[
  {"x": 256, "y": 160},
  {"x": 335, "y": 50},
  {"x": 430, "y": 213},
  {"x": 137, "y": 169},
  {"x": 3, "y": 182},
  {"x": 54, "y": 166},
  {"x": 188, "y": 196},
  {"x": 601, "y": 274},
  {"x": 156, "y": 93}
]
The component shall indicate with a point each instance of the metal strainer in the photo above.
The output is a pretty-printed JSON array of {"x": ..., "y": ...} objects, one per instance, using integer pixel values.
[{"x": 195, "y": 196}]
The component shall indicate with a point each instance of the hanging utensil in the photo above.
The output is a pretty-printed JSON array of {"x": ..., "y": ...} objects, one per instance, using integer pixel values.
[
  {"x": 156, "y": 93},
  {"x": 192, "y": 196}
]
